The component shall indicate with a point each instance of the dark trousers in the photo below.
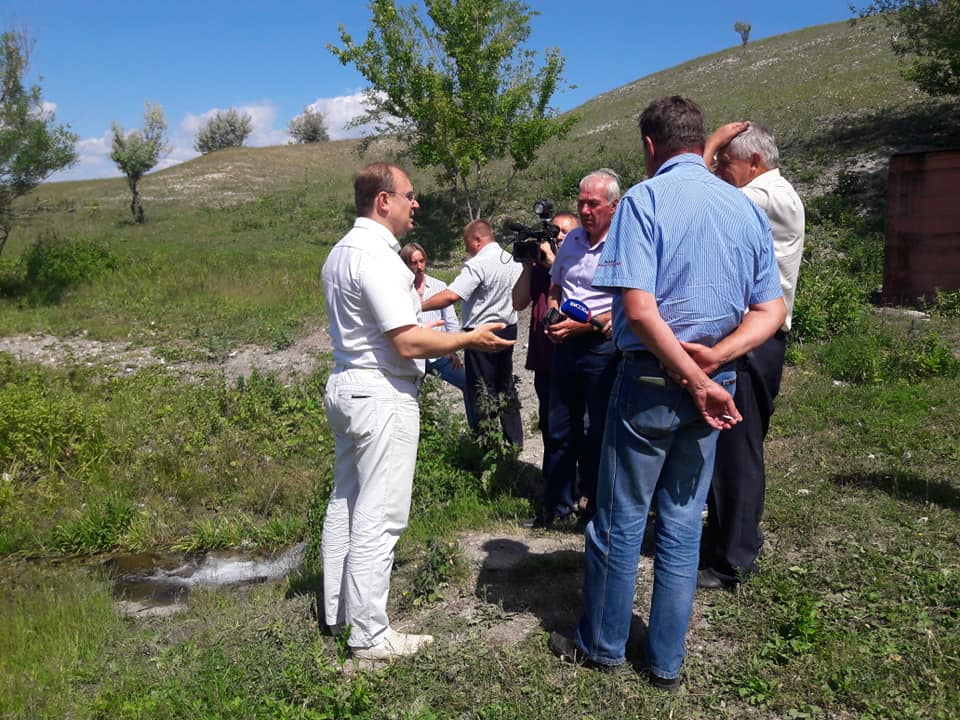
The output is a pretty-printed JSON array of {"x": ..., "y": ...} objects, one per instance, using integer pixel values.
[
  {"x": 584, "y": 368},
  {"x": 492, "y": 374},
  {"x": 541, "y": 384},
  {"x": 732, "y": 540}
]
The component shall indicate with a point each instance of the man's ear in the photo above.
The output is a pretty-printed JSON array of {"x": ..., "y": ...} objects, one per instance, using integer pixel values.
[
  {"x": 648, "y": 146},
  {"x": 380, "y": 203}
]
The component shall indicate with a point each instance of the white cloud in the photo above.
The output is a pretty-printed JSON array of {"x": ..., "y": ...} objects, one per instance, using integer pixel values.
[
  {"x": 94, "y": 153},
  {"x": 339, "y": 111}
]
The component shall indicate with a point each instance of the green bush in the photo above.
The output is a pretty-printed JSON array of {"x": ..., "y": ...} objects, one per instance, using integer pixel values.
[
  {"x": 875, "y": 353},
  {"x": 946, "y": 304},
  {"x": 52, "y": 266},
  {"x": 43, "y": 427},
  {"x": 99, "y": 527},
  {"x": 827, "y": 303}
]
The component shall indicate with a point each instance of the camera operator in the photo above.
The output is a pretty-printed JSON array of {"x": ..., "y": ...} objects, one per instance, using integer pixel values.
[
  {"x": 533, "y": 286},
  {"x": 584, "y": 359}
]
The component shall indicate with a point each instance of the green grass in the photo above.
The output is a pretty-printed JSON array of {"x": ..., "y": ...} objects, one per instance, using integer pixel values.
[
  {"x": 856, "y": 612},
  {"x": 855, "y": 615}
]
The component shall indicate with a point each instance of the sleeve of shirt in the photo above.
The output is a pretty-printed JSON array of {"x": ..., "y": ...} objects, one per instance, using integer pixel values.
[
  {"x": 451, "y": 323},
  {"x": 759, "y": 196},
  {"x": 389, "y": 298},
  {"x": 466, "y": 283},
  {"x": 557, "y": 270},
  {"x": 766, "y": 284},
  {"x": 629, "y": 258}
]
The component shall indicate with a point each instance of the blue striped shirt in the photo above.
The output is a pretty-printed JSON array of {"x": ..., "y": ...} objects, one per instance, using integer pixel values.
[{"x": 697, "y": 244}]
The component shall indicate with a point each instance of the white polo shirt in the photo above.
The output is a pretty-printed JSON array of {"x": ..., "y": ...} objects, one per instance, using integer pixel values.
[
  {"x": 784, "y": 209},
  {"x": 369, "y": 292},
  {"x": 485, "y": 285}
]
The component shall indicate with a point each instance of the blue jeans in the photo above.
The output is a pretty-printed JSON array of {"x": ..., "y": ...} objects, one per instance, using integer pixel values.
[
  {"x": 657, "y": 454},
  {"x": 443, "y": 367}
]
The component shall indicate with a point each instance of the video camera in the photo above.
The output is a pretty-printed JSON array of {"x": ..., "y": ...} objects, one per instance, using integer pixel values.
[{"x": 526, "y": 243}]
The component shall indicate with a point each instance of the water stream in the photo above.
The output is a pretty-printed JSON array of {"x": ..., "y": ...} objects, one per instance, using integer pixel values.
[{"x": 149, "y": 581}]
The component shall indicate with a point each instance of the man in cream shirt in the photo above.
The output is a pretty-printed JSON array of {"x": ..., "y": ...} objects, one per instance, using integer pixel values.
[{"x": 747, "y": 157}]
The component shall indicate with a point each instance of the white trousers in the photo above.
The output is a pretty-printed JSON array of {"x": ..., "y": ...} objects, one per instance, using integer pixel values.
[{"x": 375, "y": 420}]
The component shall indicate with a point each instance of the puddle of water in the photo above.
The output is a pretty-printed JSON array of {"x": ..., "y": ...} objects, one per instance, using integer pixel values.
[{"x": 157, "y": 580}]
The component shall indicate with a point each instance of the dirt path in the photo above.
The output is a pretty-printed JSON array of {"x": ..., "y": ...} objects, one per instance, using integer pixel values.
[{"x": 299, "y": 359}]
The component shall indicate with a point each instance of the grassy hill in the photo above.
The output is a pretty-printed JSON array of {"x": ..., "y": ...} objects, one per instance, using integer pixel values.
[{"x": 855, "y": 615}]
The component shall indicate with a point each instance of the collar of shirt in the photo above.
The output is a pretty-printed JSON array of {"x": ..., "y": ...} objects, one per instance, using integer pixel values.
[
  {"x": 379, "y": 230},
  {"x": 489, "y": 248},
  {"x": 765, "y": 179},
  {"x": 681, "y": 159},
  {"x": 579, "y": 235}
]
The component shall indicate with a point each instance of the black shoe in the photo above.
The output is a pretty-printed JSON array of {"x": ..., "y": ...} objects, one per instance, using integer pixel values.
[
  {"x": 538, "y": 523},
  {"x": 668, "y": 684},
  {"x": 709, "y": 579},
  {"x": 566, "y": 649}
]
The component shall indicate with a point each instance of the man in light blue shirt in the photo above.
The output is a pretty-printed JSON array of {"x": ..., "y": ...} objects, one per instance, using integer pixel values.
[{"x": 685, "y": 258}]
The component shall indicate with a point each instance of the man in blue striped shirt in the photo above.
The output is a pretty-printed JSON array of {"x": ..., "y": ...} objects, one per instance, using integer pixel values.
[{"x": 687, "y": 255}]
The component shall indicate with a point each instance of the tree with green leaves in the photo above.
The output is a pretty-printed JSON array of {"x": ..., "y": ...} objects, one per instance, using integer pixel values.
[
  {"x": 459, "y": 88},
  {"x": 310, "y": 126},
  {"x": 32, "y": 146},
  {"x": 226, "y": 129},
  {"x": 138, "y": 151},
  {"x": 744, "y": 29},
  {"x": 929, "y": 31}
]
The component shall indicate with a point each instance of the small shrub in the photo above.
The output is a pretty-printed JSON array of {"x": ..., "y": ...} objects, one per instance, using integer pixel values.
[
  {"x": 46, "y": 429},
  {"x": 929, "y": 356},
  {"x": 435, "y": 571},
  {"x": 875, "y": 353},
  {"x": 225, "y": 129},
  {"x": 827, "y": 304},
  {"x": 53, "y": 265},
  {"x": 309, "y": 127},
  {"x": 98, "y": 529},
  {"x": 946, "y": 304}
]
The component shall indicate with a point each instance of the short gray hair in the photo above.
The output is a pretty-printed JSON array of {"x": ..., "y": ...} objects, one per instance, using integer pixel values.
[
  {"x": 756, "y": 139},
  {"x": 610, "y": 180}
]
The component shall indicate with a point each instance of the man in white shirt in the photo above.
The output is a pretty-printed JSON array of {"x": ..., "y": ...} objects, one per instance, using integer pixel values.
[
  {"x": 371, "y": 403},
  {"x": 747, "y": 157},
  {"x": 485, "y": 287}
]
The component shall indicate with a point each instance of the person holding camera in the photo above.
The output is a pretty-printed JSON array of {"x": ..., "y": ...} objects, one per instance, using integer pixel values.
[
  {"x": 533, "y": 286},
  {"x": 584, "y": 359},
  {"x": 484, "y": 287}
]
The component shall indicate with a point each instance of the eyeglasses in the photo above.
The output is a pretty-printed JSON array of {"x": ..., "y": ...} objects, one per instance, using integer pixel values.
[{"x": 411, "y": 196}]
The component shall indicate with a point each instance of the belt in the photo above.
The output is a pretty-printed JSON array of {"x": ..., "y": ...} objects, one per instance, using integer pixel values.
[{"x": 648, "y": 356}]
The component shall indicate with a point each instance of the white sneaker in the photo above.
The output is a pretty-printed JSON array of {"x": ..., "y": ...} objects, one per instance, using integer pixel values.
[{"x": 395, "y": 645}]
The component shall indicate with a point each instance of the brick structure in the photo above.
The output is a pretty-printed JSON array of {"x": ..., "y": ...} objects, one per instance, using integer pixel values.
[{"x": 922, "y": 247}]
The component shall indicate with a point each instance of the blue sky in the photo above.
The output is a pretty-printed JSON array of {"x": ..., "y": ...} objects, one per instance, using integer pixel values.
[{"x": 98, "y": 61}]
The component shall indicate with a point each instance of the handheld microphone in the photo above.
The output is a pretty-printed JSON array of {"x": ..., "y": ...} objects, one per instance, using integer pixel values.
[{"x": 578, "y": 311}]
